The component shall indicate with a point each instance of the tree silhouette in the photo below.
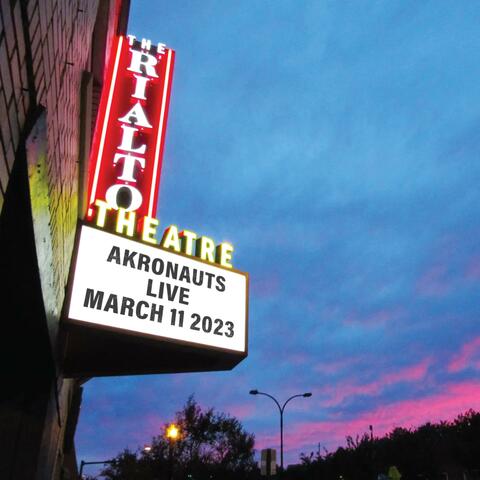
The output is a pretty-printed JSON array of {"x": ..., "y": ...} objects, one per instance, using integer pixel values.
[
  {"x": 432, "y": 451},
  {"x": 211, "y": 445}
]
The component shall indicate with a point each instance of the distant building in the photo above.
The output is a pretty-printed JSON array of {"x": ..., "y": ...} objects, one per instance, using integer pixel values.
[{"x": 52, "y": 57}]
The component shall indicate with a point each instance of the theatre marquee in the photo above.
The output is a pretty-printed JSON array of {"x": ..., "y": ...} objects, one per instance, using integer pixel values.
[{"x": 139, "y": 302}]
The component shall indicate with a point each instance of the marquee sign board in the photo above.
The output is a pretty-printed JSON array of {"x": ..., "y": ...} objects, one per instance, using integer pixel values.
[{"x": 126, "y": 285}]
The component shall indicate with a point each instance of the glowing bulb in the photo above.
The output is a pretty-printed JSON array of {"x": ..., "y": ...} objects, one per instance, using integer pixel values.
[{"x": 173, "y": 432}]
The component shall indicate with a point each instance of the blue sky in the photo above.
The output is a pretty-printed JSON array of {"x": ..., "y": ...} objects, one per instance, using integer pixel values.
[{"x": 337, "y": 146}]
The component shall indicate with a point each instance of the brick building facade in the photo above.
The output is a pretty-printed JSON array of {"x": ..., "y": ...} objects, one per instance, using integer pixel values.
[{"x": 52, "y": 57}]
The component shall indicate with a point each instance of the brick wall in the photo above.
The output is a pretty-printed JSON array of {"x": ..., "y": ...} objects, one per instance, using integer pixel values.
[
  {"x": 42, "y": 64},
  {"x": 45, "y": 49},
  {"x": 14, "y": 98},
  {"x": 61, "y": 33}
]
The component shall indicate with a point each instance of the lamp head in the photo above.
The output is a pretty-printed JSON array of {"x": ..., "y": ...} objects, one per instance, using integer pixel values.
[
  {"x": 173, "y": 432},
  {"x": 253, "y": 392},
  {"x": 308, "y": 394}
]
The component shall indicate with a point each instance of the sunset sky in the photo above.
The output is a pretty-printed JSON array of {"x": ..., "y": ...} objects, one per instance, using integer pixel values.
[{"x": 336, "y": 144}]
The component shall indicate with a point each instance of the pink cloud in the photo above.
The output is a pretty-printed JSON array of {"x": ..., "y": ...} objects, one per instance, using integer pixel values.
[
  {"x": 345, "y": 390},
  {"x": 465, "y": 358},
  {"x": 455, "y": 399},
  {"x": 408, "y": 374}
]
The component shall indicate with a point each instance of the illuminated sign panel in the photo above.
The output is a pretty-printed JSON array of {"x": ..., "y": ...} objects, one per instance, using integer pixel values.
[
  {"x": 141, "y": 302},
  {"x": 123, "y": 284},
  {"x": 126, "y": 155}
]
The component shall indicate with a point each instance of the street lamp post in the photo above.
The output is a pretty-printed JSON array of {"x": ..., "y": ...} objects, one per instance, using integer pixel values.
[
  {"x": 172, "y": 433},
  {"x": 281, "y": 410}
]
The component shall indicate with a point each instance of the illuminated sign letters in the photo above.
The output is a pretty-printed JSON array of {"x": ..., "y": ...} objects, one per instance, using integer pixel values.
[
  {"x": 186, "y": 242},
  {"x": 127, "y": 150}
]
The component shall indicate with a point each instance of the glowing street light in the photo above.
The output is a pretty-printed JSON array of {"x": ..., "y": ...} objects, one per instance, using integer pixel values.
[{"x": 173, "y": 432}]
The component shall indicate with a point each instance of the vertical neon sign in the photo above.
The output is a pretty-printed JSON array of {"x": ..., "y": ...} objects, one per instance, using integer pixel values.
[{"x": 127, "y": 149}]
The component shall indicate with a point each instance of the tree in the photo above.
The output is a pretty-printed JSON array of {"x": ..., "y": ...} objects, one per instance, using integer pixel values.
[
  {"x": 429, "y": 452},
  {"x": 211, "y": 445}
]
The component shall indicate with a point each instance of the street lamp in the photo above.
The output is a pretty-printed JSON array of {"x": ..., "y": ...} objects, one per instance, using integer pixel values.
[
  {"x": 173, "y": 434},
  {"x": 281, "y": 409}
]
